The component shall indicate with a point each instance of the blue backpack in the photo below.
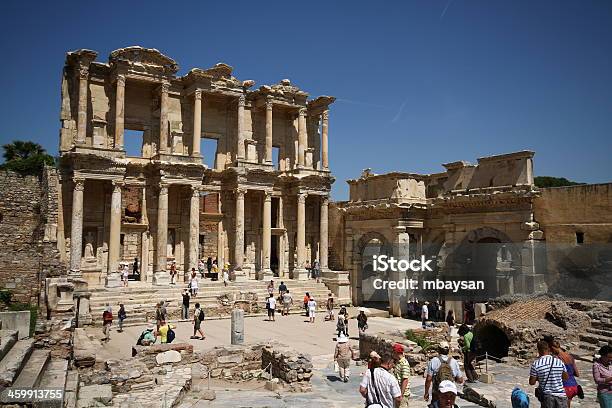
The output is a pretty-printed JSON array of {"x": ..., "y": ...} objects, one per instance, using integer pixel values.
[
  {"x": 170, "y": 336},
  {"x": 519, "y": 398}
]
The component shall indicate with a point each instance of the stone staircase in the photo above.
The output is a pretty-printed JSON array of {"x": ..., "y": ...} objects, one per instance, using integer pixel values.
[
  {"x": 23, "y": 366},
  {"x": 596, "y": 336},
  {"x": 140, "y": 300}
]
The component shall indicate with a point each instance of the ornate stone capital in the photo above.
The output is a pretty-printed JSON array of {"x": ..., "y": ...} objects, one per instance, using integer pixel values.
[
  {"x": 240, "y": 191},
  {"x": 241, "y": 100},
  {"x": 79, "y": 183},
  {"x": 269, "y": 104},
  {"x": 83, "y": 72},
  {"x": 302, "y": 111},
  {"x": 120, "y": 80},
  {"x": 267, "y": 195},
  {"x": 325, "y": 200},
  {"x": 325, "y": 115},
  {"x": 195, "y": 191},
  {"x": 197, "y": 95},
  {"x": 163, "y": 188},
  {"x": 165, "y": 87},
  {"x": 117, "y": 185},
  {"x": 301, "y": 197}
]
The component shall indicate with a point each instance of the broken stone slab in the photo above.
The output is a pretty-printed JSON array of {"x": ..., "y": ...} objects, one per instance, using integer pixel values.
[
  {"x": 208, "y": 395},
  {"x": 14, "y": 360},
  {"x": 160, "y": 348},
  {"x": 168, "y": 357},
  {"x": 84, "y": 349},
  {"x": 94, "y": 395},
  {"x": 469, "y": 394}
]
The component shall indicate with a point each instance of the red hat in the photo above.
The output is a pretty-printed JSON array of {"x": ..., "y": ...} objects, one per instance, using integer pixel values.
[{"x": 398, "y": 348}]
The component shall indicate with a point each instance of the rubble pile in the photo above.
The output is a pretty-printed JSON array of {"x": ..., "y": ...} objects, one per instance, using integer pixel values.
[
  {"x": 287, "y": 364},
  {"x": 233, "y": 363}
]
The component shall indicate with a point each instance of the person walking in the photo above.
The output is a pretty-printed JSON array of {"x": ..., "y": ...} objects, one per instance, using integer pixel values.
[
  {"x": 124, "y": 275},
  {"x": 602, "y": 374},
  {"x": 271, "y": 287},
  {"x": 173, "y": 273},
  {"x": 287, "y": 302},
  {"x": 549, "y": 373},
  {"x": 271, "y": 306},
  {"x": 135, "y": 268},
  {"x": 571, "y": 384},
  {"x": 306, "y": 299},
  {"x": 468, "y": 347},
  {"x": 379, "y": 386},
  {"x": 345, "y": 316},
  {"x": 225, "y": 274},
  {"x": 185, "y": 305},
  {"x": 107, "y": 321},
  {"x": 160, "y": 314},
  {"x": 201, "y": 266},
  {"x": 362, "y": 321},
  {"x": 193, "y": 283},
  {"x": 209, "y": 264},
  {"x": 401, "y": 371},
  {"x": 439, "y": 369},
  {"x": 282, "y": 288},
  {"x": 122, "y": 315},
  {"x": 312, "y": 309},
  {"x": 316, "y": 270},
  {"x": 329, "y": 305},
  {"x": 433, "y": 308},
  {"x": 450, "y": 321},
  {"x": 424, "y": 314},
  {"x": 198, "y": 318},
  {"x": 343, "y": 356}
]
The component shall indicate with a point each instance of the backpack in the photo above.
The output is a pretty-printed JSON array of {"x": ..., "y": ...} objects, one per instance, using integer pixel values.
[
  {"x": 473, "y": 346},
  {"x": 170, "y": 336},
  {"x": 445, "y": 372},
  {"x": 140, "y": 338},
  {"x": 201, "y": 315},
  {"x": 519, "y": 398}
]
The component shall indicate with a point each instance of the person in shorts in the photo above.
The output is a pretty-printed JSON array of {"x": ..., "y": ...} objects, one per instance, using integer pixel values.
[
  {"x": 271, "y": 305},
  {"x": 287, "y": 302},
  {"x": 312, "y": 308}
]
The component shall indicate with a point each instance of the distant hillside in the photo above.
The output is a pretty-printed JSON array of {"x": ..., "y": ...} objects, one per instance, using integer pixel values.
[{"x": 547, "y": 181}]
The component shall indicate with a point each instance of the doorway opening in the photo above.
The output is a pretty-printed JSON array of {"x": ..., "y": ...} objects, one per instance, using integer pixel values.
[{"x": 274, "y": 258}]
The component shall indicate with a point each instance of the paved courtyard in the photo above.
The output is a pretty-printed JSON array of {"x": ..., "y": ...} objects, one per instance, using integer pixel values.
[{"x": 317, "y": 340}]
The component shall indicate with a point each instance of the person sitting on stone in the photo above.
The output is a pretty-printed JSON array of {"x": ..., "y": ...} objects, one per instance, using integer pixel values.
[
  {"x": 164, "y": 332},
  {"x": 147, "y": 337}
]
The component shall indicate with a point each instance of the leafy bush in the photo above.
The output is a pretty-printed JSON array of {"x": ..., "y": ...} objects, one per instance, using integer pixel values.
[
  {"x": 419, "y": 339},
  {"x": 547, "y": 181}
]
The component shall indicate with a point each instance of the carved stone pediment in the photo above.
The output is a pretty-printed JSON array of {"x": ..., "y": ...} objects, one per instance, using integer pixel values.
[{"x": 147, "y": 59}]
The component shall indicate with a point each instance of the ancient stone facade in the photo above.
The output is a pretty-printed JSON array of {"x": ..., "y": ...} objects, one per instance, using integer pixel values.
[
  {"x": 28, "y": 227},
  {"x": 486, "y": 217},
  {"x": 265, "y": 215}
]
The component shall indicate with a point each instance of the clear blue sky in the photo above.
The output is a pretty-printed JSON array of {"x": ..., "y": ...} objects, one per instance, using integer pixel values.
[{"x": 419, "y": 83}]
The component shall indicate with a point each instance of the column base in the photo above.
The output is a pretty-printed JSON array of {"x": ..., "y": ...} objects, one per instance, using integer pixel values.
[
  {"x": 74, "y": 273},
  {"x": 300, "y": 274},
  {"x": 239, "y": 275},
  {"x": 265, "y": 274},
  {"x": 161, "y": 278},
  {"x": 113, "y": 280}
]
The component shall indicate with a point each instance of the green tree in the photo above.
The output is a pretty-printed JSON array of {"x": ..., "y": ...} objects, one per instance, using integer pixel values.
[
  {"x": 548, "y": 181},
  {"x": 25, "y": 157}
]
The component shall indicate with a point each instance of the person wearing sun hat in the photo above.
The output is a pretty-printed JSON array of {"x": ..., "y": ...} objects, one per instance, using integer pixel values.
[
  {"x": 446, "y": 396},
  {"x": 343, "y": 356},
  {"x": 374, "y": 360},
  {"x": 401, "y": 371}
]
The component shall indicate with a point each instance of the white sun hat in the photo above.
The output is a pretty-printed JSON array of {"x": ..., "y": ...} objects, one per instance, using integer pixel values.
[
  {"x": 447, "y": 386},
  {"x": 342, "y": 339}
]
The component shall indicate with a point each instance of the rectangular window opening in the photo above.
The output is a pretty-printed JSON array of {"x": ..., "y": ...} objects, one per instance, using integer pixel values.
[
  {"x": 276, "y": 157},
  {"x": 580, "y": 237},
  {"x": 208, "y": 150},
  {"x": 132, "y": 142}
]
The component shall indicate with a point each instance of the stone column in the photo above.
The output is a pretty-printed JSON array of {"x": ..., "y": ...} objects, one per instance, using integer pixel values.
[
  {"x": 324, "y": 142},
  {"x": 302, "y": 137},
  {"x": 82, "y": 107},
  {"x": 266, "y": 272},
  {"x": 240, "y": 149},
  {"x": 114, "y": 247},
  {"x": 161, "y": 276},
  {"x": 76, "y": 228},
  {"x": 268, "y": 131},
  {"x": 239, "y": 235},
  {"x": 300, "y": 272},
  {"x": 194, "y": 229},
  {"x": 163, "y": 118},
  {"x": 197, "y": 123},
  {"x": 323, "y": 232},
  {"x": 119, "y": 112},
  {"x": 398, "y": 305}
]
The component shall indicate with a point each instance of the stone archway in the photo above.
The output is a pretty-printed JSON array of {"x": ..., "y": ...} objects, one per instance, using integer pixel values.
[{"x": 369, "y": 244}]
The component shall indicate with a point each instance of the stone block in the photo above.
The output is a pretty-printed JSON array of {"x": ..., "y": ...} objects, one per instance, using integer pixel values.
[
  {"x": 94, "y": 396},
  {"x": 487, "y": 378},
  {"x": 19, "y": 321},
  {"x": 208, "y": 395},
  {"x": 168, "y": 357}
]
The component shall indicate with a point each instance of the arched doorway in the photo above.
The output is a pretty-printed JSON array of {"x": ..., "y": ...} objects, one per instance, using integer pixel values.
[
  {"x": 492, "y": 340},
  {"x": 370, "y": 245}
]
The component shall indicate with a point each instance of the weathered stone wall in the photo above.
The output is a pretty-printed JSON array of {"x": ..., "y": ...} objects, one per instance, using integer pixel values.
[
  {"x": 287, "y": 364},
  {"x": 27, "y": 257}
]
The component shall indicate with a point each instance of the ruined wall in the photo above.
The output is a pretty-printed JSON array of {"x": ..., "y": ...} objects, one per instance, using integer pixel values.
[
  {"x": 26, "y": 257},
  {"x": 568, "y": 215}
]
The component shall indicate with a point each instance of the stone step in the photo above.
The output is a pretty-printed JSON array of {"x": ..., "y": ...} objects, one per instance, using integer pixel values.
[
  {"x": 32, "y": 371},
  {"x": 601, "y": 325},
  {"x": 601, "y": 332},
  {"x": 54, "y": 377},
  {"x": 595, "y": 339},
  {"x": 13, "y": 362},
  {"x": 8, "y": 338}
]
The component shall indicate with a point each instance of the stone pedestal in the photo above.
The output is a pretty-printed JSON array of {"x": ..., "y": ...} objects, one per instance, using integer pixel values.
[
  {"x": 300, "y": 274},
  {"x": 81, "y": 301},
  {"x": 338, "y": 283},
  {"x": 113, "y": 280},
  {"x": 237, "y": 326},
  {"x": 265, "y": 275}
]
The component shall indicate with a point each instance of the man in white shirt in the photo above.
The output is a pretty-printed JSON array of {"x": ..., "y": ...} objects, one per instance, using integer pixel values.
[
  {"x": 384, "y": 389},
  {"x": 271, "y": 307},
  {"x": 425, "y": 313}
]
